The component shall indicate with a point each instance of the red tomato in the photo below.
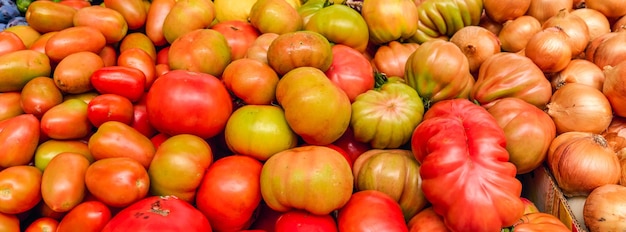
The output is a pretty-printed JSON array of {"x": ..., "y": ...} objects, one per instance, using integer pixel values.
[
  {"x": 88, "y": 216},
  {"x": 239, "y": 34},
  {"x": 9, "y": 42},
  {"x": 21, "y": 189},
  {"x": 110, "y": 107},
  {"x": 124, "y": 81},
  {"x": 38, "y": 96},
  {"x": 353, "y": 72},
  {"x": 19, "y": 137},
  {"x": 358, "y": 213},
  {"x": 140, "y": 120},
  {"x": 348, "y": 143},
  {"x": 10, "y": 103},
  {"x": 253, "y": 81},
  {"x": 302, "y": 221},
  {"x": 113, "y": 137},
  {"x": 139, "y": 59},
  {"x": 154, "y": 20},
  {"x": 118, "y": 181},
  {"x": 9, "y": 222},
  {"x": 159, "y": 213},
  {"x": 427, "y": 220},
  {"x": 108, "y": 55},
  {"x": 230, "y": 193},
  {"x": 63, "y": 181},
  {"x": 162, "y": 55},
  {"x": 158, "y": 139},
  {"x": 180, "y": 102},
  {"x": 72, "y": 40},
  {"x": 43, "y": 224},
  {"x": 67, "y": 120}
]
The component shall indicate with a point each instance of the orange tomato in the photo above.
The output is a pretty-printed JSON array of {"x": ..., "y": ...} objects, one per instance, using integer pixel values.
[
  {"x": 139, "y": 59},
  {"x": 73, "y": 73},
  {"x": 108, "y": 21},
  {"x": 10, "y": 42},
  {"x": 21, "y": 189},
  {"x": 251, "y": 80},
  {"x": 134, "y": 11},
  {"x": 63, "y": 181},
  {"x": 154, "y": 22},
  {"x": 117, "y": 182},
  {"x": 72, "y": 40},
  {"x": 10, "y": 105}
]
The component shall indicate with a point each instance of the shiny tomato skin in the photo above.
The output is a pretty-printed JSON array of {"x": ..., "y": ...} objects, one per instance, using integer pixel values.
[
  {"x": 43, "y": 224},
  {"x": 230, "y": 193},
  {"x": 357, "y": 214},
  {"x": 20, "y": 187},
  {"x": 133, "y": 11},
  {"x": 154, "y": 20},
  {"x": 118, "y": 181},
  {"x": 63, "y": 181},
  {"x": 239, "y": 34},
  {"x": 10, "y": 104},
  {"x": 109, "y": 107},
  {"x": 353, "y": 73},
  {"x": 108, "y": 21},
  {"x": 113, "y": 137},
  {"x": 72, "y": 40},
  {"x": 19, "y": 136},
  {"x": 39, "y": 95},
  {"x": 302, "y": 221},
  {"x": 10, "y": 42},
  {"x": 159, "y": 213},
  {"x": 88, "y": 216},
  {"x": 124, "y": 81},
  {"x": 67, "y": 120},
  {"x": 180, "y": 102},
  {"x": 140, "y": 120},
  {"x": 140, "y": 59},
  {"x": 252, "y": 81}
]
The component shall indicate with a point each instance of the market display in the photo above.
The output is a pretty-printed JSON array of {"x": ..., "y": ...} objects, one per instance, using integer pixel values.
[{"x": 312, "y": 115}]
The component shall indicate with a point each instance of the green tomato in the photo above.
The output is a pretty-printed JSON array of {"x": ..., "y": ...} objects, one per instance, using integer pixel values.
[
  {"x": 341, "y": 25},
  {"x": 259, "y": 131},
  {"x": 386, "y": 117}
]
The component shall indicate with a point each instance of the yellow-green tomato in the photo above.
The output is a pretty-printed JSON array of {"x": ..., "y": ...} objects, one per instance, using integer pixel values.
[
  {"x": 314, "y": 178},
  {"x": 259, "y": 131}
]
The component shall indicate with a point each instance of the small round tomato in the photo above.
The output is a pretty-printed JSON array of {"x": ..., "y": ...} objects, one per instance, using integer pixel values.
[
  {"x": 20, "y": 187},
  {"x": 43, "y": 224},
  {"x": 253, "y": 81},
  {"x": 117, "y": 181},
  {"x": 88, "y": 216},
  {"x": 110, "y": 107},
  {"x": 230, "y": 193},
  {"x": 302, "y": 221},
  {"x": 352, "y": 72},
  {"x": 239, "y": 34}
]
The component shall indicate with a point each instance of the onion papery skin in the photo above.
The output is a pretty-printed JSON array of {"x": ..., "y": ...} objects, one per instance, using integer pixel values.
[
  {"x": 578, "y": 107},
  {"x": 575, "y": 28},
  {"x": 549, "y": 49},
  {"x": 477, "y": 44},
  {"x": 542, "y": 10},
  {"x": 579, "y": 71},
  {"x": 605, "y": 209},
  {"x": 596, "y": 22},
  {"x": 581, "y": 162},
  {"x": 610, "y": 8},
  {"x": 504, "y": 10},
  {"x": 498, "y": 79},
  {"x": 615, "y": 135},
  {"x": 610, "y": 51},
  {"x": 614, "y": 88},
  {"x": 516, "y": 33}
]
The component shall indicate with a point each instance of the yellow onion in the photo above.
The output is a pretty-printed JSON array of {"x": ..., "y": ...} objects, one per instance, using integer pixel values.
[
  {"x": 503, "y": 10},
  {"x": 615, "y": 87},
  {"x": 619, "y": 25},
  {"x": 615, "y": 135},
  {"x": 549, "y": 49},
  {"x": 605, "y": 209},
  {"x": 590, "y": 52},
  {"x": 610, "y": 8},
  {"x": 489, "y": 24},
  {"x": 575, "y": 28},
  {"x": 596, "y": 22},
  {"x": 579, "y": 107},
  {"x": 542, "y": 10},
  {"x": 579, "y": 71},
  {"x": 477, "y": 44},
  {"x": 611, "y": 51},
  {"x": 581, "y": 162},
  {"x": 515, "y": 33}
]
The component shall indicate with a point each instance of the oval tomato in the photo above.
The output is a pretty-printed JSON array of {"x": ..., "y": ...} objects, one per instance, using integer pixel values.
[
  {"x": 350, "y": 71},
  {"x": 133, "y": 11},
  {"x": 43, "y": 224},
  {"x": 154, "y": 20},
  {"x": 117, "y": 181},
  {"x": 88, "y": 216},
  {"x": 10, "y": 104},
  {"x": 139, "y": 59},
  {"x": 51, "y": 148},
  {"x": 39, "y": 95},
  {"x": 180, "y": 102},
  {"x": 138, "y": 40},
  {"x": 72, "y": 40},
  {"x": 240, "y": 36},
  {"x": 302, "y": 221},
  {"x": 21, "y": 189},
  {"x": 19, "y": 137},
  {"x": 124, "y": 81},
  {"x": 63, "y": 181},
  {"x": 107, "y": 20},
  {"x": 67, "y": 120},
  {"x": 110, "y": 107},
  {"x": 72, "y": 74},
  {"x": 230, "y": 193},
  {"x": 140, "y": 120},
  {"x": 158, "y": 213},
  {"x": 48, "y": 16},
  {"x": 113, "y": 137},
  {"x": 10, "y": 42},
  {"x": 357, "y": 214},
  {"x": 192, "y": 50}
]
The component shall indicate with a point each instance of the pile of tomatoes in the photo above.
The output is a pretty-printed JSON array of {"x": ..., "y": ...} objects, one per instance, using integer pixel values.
[{"x": 265, "y": 115}]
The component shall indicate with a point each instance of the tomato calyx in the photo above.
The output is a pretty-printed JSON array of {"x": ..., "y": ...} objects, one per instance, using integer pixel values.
[{"x": 379, "y": 80}]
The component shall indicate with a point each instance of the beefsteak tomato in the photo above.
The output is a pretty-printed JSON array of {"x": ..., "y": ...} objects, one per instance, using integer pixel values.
[
  {"x": 371, "y": 210},
  {"x": 465, "y": 170},
  {"x": 352, "y": 72}
]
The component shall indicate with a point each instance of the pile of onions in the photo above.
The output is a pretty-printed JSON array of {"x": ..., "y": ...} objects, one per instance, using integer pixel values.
[
  {"x": 575, "y": 28},
  {"x": 579, "y": 71},
  {"x": 610, "y": 8},
  {"x": 578, "y": 107},
  {"x": 477, "y": 44},
  {"x": 614, "y": 87},
  {"x": 597, "y": 23},
  {"x": 549, "y": 49},
  {"x": 581, "y": 162},
  {"x": 542, "y": 10},
  {"x": 605, "y": 209},
  {"x": 516, "y": 33},
  {"x": 503, "y": 10}
]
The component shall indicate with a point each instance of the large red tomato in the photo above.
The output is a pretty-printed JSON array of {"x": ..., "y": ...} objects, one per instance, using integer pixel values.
[
  {"x": 185, "y": 102},
  {"x": 358, "y": 213},
  {"x": 239, "y": 34},
  {"x": 351, "y": 71},
  {"x": 303, "y": 221},
  {"x": 89, "y": 216},
  {"x": 159, "y": 213},
  {"x": 230, "y": 193}
]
